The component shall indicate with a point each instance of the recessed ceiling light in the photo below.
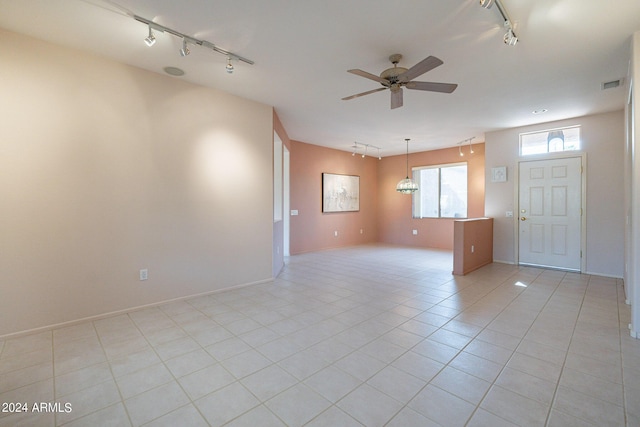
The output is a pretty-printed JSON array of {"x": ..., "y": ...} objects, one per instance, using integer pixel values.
[
  {"x": 540, "y": 111},
  {"x": 174, "y": 71}
]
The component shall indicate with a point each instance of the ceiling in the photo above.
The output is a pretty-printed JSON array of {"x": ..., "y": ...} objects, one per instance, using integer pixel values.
[{"x": 303, "y": 49}]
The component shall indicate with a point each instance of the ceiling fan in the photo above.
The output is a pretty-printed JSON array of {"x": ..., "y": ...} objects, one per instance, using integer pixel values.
[{"x": 395, "y": 78}]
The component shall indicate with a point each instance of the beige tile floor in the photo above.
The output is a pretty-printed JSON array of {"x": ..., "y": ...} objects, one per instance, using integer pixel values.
[{"x": 371, "y": 335}]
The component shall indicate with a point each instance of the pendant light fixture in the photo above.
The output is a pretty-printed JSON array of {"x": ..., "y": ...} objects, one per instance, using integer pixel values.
[{"x": 407, "y": 185}]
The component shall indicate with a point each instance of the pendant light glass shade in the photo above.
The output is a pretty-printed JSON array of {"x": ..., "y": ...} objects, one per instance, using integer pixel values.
[{"x": 407, "y": 185}]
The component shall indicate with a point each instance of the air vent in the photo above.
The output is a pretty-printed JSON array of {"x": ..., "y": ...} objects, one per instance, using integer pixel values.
[{"x": 612, "y": 84}]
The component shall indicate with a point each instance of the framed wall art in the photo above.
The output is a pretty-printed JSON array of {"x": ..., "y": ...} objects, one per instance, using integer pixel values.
[
  {"x": 340, "y": 193},
  {"x": 499, "y": 174}
]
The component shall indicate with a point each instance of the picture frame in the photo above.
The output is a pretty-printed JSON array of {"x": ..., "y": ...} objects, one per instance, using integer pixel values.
[
  {"x": 340, "y": 193},
  {"x": 499, "y": 174}
]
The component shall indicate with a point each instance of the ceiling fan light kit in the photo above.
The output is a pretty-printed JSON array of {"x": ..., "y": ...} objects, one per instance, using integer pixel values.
[{"x": 396, "y": 78}]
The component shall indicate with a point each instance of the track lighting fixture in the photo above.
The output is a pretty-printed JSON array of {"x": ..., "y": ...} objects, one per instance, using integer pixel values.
[
  {"x": 184, "y": 51},
  {"x": 366, "y": 147},
  {"x": 151, "y": 39},
  {"x": 463, "y": 142},
  {"x": 510, "y": 38}
]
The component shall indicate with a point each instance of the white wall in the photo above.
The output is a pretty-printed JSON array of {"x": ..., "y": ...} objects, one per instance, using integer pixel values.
[
  {"x": 106, "y": 169},
  {"x": 632, "y": 276},
  {"x": 278, "y": 205},
  {"x": 603, "y": 140}
]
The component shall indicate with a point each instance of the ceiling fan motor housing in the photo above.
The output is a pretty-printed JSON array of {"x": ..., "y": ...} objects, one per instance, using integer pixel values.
[{"x": 392, "y": 73}]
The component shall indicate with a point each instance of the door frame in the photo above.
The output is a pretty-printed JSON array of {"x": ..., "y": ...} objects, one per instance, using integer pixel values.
[{"x": 583, "y": 201}]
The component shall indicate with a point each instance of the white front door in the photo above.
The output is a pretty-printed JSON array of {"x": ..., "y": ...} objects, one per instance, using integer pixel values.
[{"x": 550, "y": 213}]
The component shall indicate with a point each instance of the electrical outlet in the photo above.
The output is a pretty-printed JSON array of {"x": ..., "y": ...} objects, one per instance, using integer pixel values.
[
  {"x": 144, "y": 274},
  {"x": 415, "y": 232},
  {"x": 335, "y": 233},
  {"x": 473, "y": 249}
]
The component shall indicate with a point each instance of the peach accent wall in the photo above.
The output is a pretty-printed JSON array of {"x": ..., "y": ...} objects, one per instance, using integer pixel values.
[
  {"x": 472, "y": 244},
  {"x": 395, "y": 223},
  {"x": 312, "y": 230}
]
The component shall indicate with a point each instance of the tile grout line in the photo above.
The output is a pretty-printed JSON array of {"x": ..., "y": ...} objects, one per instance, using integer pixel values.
[
  {"x": 620, "y": 344},
  {"x": 493, "y": 382},
  {"x": 457, "y": 354},
  {"x": 566, "y": 355}
]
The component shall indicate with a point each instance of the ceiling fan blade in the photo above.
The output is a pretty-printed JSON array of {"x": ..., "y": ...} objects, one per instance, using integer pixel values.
[
  {"x": 363, "y": 93},
  {"x": 427, "y": 64},
  {"x": 369, "y": 76},
  {"x": 396, "y": 98},
  {"x": 432, "y": 87}
]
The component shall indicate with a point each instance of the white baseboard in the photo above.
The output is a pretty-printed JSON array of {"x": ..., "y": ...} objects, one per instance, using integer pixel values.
[
  {"x": 123, "y": 311},
  {"x": 504, "y": 262}
]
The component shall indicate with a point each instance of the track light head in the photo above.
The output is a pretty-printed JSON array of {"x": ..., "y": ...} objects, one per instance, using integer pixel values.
[
  {"x": 184, "y": 51},
  {"x": 510, "y": 39},
  {"x": 151, "y": 39},
  {"x": 229, "y": 66},
  {"x": 486, "y": 3}
]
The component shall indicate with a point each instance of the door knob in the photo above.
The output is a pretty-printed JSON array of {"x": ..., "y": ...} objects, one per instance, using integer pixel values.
[{"x": 522, "y": 218}]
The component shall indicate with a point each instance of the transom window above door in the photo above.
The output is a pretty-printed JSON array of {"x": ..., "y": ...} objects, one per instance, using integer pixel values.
[{"x": 550, "y": 141}]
